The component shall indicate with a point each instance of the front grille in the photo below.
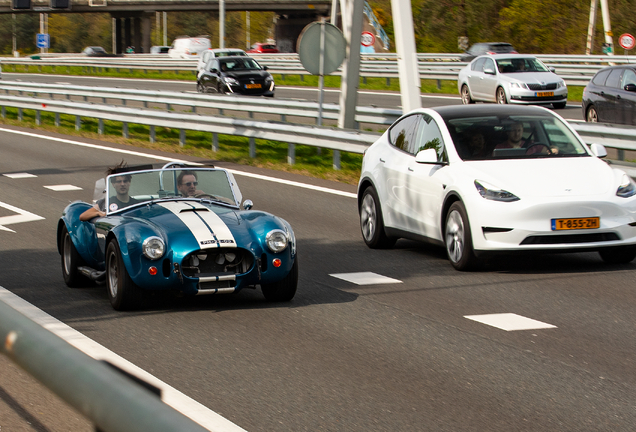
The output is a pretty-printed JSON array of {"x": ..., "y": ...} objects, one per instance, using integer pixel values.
[
  {"x": 570, "y": 239},
  {"x": 550, "y": 86},
  {"x": 222, "y": 261}
]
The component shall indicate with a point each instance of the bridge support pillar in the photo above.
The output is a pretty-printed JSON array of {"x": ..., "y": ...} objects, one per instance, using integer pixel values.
[
  {"x": 132, "y": 30},
  {"x": 288, "y": 28}
]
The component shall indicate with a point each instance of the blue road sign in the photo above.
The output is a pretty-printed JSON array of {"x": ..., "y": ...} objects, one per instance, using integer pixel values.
[{"x": 42, "y": 40}]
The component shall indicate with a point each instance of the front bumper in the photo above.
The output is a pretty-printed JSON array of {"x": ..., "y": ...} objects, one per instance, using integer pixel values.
[{"x": 517, "y": 226}]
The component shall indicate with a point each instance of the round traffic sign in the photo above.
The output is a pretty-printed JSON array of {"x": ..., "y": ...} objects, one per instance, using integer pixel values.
[
  {"x": 627, "y": 41},
  {"x": 308, "y": 47},
  {"x": 368, "y": 39}
]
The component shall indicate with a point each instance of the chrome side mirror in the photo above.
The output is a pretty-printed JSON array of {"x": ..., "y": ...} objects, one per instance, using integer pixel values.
[
  {"x": 247, "y": 204},
  {"x": 598, "y": 150}
]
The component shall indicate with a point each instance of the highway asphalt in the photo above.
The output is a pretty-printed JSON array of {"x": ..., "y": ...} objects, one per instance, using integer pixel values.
[{"x": 427, "y": 349}]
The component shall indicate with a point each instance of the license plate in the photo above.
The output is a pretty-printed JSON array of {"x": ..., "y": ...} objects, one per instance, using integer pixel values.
[
  {"x": 545, "y": 94},
  {"x": 576, "y": 223},
  {"x": 252, "y": 86}
]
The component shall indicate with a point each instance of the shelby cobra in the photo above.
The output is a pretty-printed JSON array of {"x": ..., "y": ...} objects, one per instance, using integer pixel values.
[{"x": 176, "y": 228}]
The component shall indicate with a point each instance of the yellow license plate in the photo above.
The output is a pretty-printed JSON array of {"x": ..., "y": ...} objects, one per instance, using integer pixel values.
[
  {"x": 545, "y": 94},
  {"x": 252, "y": 86},
  {"x": 576, "y": 223}
]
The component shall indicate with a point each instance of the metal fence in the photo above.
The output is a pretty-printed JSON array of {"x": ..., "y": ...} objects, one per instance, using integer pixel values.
[
  {"x": 576, "y": 70},
  {"x": 354, "y": 141}
]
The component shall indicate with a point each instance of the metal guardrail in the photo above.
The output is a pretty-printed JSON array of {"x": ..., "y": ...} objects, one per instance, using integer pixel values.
[
  {"x": 574, "y": 69},
  {"x": 612, "y": 136},
  {"x": 109, "y": 399},
  {"x": 222, "y": 103}
]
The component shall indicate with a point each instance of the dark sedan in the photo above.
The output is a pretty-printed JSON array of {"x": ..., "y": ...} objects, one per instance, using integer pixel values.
[
  {"x": 610, "y": 97},
  {"x": 235, "y": 75},
  {"x": 487, "y": 48}
]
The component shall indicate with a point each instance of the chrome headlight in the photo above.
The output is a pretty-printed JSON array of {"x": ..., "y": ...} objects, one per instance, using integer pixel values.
[
  {"x": 269, "y": 79},
  {"x": 153, "y": 248},
  {"x": 627, "y": 188},
  {"x": 494, "y": 193},
  {"x": 518, "y": 85},
  {"x": 230, "y": 80},
  {"x": 561, "y": 84},
  {"x": 276, "y": 240}
]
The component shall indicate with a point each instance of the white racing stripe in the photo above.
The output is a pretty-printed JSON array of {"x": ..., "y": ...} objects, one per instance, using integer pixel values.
[
  {"x": 171, "y": 396},
  {"x": 206, "y": 226}
]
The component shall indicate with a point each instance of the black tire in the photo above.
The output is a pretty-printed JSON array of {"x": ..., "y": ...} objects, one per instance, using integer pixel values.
[
  {"x": 371, "y": 222},
  {"x": 123, "y": 293},
  {"x": 285, "y": 289},
  {"x": 465, "y": 94},
  {"x": 458, "y": 238},
  {"x": 500, "y": 96},
  {"x": 71, "y": 260},
  {"x": 559, "y": 105},
  {"x": 618, "y": 255},
  {"x": 591, "y": 114}
]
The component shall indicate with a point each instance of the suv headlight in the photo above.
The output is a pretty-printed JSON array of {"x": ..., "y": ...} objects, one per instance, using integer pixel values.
[
  {"x": 627, "y": 188},
  {"x": 230, "y": 80},
  {"x": 494, "y": 193},
  {"x": 276, "y": 240},
  {"x": 518, "y": 85},
  {"x": 153, "y": 248}
]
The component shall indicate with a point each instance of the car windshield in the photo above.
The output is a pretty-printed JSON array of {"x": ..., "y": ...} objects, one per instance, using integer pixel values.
[
  {"x": 516, "y": 65},
  {"x": 235, "y": 64},
  {"x": 130, "y": 188},
  {"x": 513, "y": 137}
]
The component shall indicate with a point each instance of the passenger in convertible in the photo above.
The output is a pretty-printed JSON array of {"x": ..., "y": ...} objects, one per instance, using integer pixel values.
[{"x": 121, "y": 186}]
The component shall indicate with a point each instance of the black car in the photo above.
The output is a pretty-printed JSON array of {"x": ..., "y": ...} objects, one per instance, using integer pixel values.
[
  {"x": 610, "y": 97},
  {"x": 97, "y": 51},
  {"x": 235, "y": 75},
  {"x": 487, "y": 48}
]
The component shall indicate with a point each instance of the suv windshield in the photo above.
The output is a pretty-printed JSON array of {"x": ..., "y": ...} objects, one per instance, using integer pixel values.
[
  {"x": 513, "y": 137},
  {"x": 129, "y": 188}
]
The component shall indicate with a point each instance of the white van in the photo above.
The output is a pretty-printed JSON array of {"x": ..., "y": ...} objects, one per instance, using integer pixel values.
[
  {"x": 189, "y": 47},
  {"x": 206, "y": 55}
]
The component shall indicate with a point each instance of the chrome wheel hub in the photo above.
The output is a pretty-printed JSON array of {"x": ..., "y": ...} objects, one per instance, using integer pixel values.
[
  {"x": 368, "y": 217},
  {"x": 455, "y": 236}
]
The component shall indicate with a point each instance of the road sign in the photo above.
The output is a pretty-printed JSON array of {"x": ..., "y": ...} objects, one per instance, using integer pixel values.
[
  {"x": 627, "y": 41},
  {"x": 368, "y": 39},
  {"x": 309, "y": 48},
  {"x": 42, "y": 40}
]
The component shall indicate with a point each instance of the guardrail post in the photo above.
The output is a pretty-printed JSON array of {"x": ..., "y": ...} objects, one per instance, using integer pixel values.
[
  {"x": 168, "y": 107},
  {"x": 215, "y": 142},
  {"x": 100, "y": 126},
  {"x": 336, "y": 159},
  {"x": 194, "y": 109},
  {"x": 283, "y": 118},
  {"x": 37, "y": 117},
  {"x": 621, "y": 154},
  {"x": 20, "y": 114},
  {"x": 182, "y": 137},
  {"x": 4, "y": 112},
  {"x": 291, "y": 154},
  {"x": 252, "y": 147},
  {"x": 78, "y": 123},
  {"x": 153, "y": 134},
  {"x": 57, "y": 119},
  {"x": 124, "y": 129},
  {"x": 388, "y": 81}
]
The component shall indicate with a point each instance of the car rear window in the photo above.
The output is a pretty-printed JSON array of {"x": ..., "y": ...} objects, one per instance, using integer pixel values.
[
  {"x": 614, "y": 79},
  {"x": 600, "y": 77},
  {"x": 501, "y": 48}
]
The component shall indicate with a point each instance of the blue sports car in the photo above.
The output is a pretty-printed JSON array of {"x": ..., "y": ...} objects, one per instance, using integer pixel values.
[{"x": 176, "y": 228}]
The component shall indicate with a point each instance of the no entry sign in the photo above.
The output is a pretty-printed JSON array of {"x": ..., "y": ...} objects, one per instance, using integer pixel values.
[{"x": 368, "y": 39}]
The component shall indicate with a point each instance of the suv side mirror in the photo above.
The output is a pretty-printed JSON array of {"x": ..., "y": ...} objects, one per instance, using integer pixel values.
[
  {"x": 598, "y": 150},
  {"x": 630, "y": 87}
]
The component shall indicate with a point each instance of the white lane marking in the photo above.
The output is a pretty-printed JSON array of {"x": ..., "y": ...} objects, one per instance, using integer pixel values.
[
  {"x": 162, "y": 158},
  {"x": 171, "y": 396},
  {"x": 510, "y": 321},
  {"x": 23, "y": 216},
  {"x": 19, "y": 175},
  {"x": 63, "y": 187},
  {"x": 365, "y": 278}
]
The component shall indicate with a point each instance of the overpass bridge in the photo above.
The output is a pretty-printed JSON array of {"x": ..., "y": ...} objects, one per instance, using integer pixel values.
[{"x": 133, "y": 18}]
